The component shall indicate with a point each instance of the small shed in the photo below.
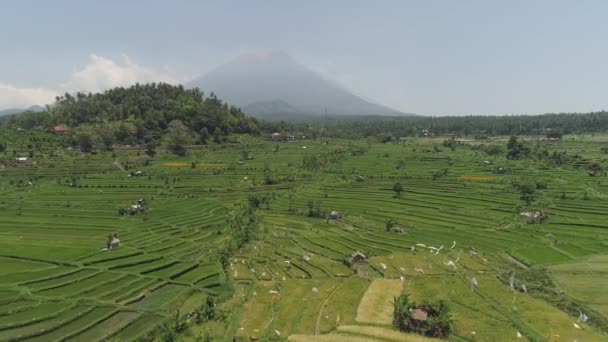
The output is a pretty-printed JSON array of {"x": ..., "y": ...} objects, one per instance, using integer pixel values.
[
  {"x": 420, "y": 313},
  {"x": 533, "y": 215},
  {"x": 357, "y": 257},
  {"x": 114, "y": 243},
  {"x": 335, "y": 215}
]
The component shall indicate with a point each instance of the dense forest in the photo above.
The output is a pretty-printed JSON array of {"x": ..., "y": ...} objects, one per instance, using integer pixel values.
[
  {"x": 357, "y": 126},
  {"x": 161, "y": 113},
  {"x": 140, "y": 114}
]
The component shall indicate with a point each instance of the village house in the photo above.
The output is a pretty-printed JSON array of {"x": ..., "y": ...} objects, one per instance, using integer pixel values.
[
  {"x": 60, "y": 129},
  {"x": 278, "y": 136}
]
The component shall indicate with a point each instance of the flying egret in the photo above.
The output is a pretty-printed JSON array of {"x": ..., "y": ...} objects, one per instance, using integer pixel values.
[
  {"x": 453, "y": 244},
  {"x": 582, "y": 317}
]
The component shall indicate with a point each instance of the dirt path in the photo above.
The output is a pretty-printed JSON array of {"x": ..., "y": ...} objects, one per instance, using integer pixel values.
[
  {"x": 118, "y": 165},
  {"x": 318, "y": 320},
  {"x": 515, "y": 261}
]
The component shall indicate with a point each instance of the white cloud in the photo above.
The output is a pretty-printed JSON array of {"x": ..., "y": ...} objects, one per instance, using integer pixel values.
[
  {"x": 102, "y": 73},
  {"x": 98, "y": 74},
  {"x": 15, "y": 97}
]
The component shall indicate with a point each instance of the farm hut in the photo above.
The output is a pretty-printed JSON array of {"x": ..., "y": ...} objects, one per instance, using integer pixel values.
[
  {"x": 114, "y": 243},
  {"x": 335, "y": 215},
  {"x": 397, "y": 229},
  {"x": 420, "y": 313},
  {"x": 357, "y": 257},
  {"x": 533, "y": 215}
]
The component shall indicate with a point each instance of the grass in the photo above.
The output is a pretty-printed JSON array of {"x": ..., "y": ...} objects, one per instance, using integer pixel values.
[{"x": 376, "y": 305}]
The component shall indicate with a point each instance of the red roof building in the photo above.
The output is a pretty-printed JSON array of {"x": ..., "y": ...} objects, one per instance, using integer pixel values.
[{"x": 61, "y": 129}]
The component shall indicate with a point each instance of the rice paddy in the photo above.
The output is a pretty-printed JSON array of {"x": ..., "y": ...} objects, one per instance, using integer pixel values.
[{"x": 57, "y": 283}]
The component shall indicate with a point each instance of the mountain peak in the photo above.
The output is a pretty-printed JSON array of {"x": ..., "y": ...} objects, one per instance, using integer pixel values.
[{"x": 255, "y": 81}]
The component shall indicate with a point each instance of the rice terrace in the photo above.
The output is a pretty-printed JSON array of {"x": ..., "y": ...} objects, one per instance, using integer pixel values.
[
  {"x": 303, "y": 239},
  {"x": 303, "y": 171}
]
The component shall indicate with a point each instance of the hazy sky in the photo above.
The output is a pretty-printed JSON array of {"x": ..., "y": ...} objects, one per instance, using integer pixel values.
[{"x": 426, "y": 57}]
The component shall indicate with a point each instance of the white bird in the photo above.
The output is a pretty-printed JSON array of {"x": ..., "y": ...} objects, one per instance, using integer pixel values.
[
  {"x": 287, "y": 262},
  {"x": 519, "y": 336},
  {"x": 413, "y": 249},
  {"x": 576, "y": 325},
  {"x": 315, "y": 290},
  {"x": 383, "y": 266},
  {"x": 453, "y": 244},
  {"x": 277, "y": 332},
  {"x": 402, "y": 269},
  {"x": 450, "y": 263},
  {"x": 273, "y": 292},
  {"x": 419, "y": 270},
  {"x": 523, "y": 287},
  {"x": 306, "y": 257},
  {"x": 582, "y": 317},
  {"x": 236, "y": 274},
  {"x": 459, "y": 255},
  {"x": 420, "y": 245},
  {"x": 473, "y": 283},
  {"x": 402, "y": 278},
  {"x": 512, "y": 282}
]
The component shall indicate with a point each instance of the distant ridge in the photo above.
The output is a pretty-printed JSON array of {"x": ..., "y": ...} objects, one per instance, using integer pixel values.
[
  {"x": 10, "y": 111},
  {"x": 273, "y": 83}
]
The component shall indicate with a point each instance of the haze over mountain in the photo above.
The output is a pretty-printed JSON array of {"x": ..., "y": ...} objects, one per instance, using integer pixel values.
[
  {"x": 10, "y": 111},
  {"x": 273, "y": 83}
]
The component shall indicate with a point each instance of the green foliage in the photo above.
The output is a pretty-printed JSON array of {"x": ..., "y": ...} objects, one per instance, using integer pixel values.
[
  {"x": 439, "y": 322},
  {"x": 516, "y": 149},
  {"x": 173, "y": 328},
  {"x": 397, "y": 188},
  {"x": 179, "y": 137},
  {"x": 206, "y": 312}
]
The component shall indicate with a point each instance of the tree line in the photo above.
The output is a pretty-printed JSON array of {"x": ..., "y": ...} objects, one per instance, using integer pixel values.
[{"x": 387, "y": 127}]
